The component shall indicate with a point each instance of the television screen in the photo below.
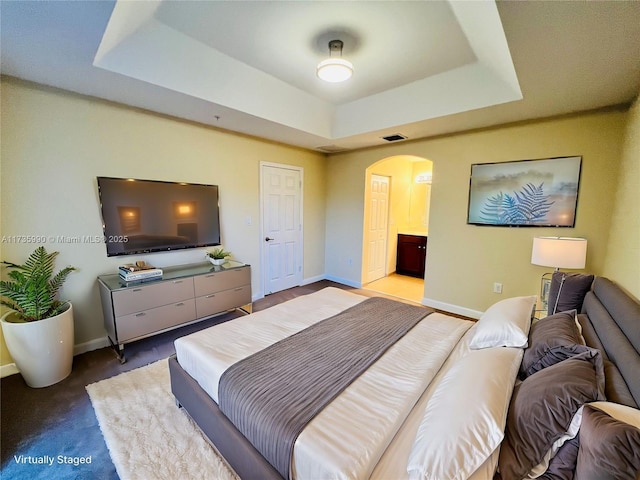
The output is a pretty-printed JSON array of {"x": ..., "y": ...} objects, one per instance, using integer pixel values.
[{"x": 140, "y": 216}]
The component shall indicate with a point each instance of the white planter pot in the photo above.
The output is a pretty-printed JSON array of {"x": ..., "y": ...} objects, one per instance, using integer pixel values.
[
  {"x": 42, "y": 350},
  {"x": 217, "y": 261}
]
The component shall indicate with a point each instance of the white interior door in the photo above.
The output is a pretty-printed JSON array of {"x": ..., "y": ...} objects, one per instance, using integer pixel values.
[
  {"x": 378, "y": 227},
  {"x": 281, "y": 187}
]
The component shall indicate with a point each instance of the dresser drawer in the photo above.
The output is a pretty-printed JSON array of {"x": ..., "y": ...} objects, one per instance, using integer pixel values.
[
  {"x": 219, "y": 281},
  {"x": 155, "y": 319},
  {"x": 144, "y": 297},
  {"x": 222, "y": 301}
]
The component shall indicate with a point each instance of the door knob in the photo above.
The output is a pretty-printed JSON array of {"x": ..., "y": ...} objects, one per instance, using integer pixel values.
[{"x": 267, "y": 239}]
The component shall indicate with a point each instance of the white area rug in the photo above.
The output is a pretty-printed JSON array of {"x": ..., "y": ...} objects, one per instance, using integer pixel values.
[{"x": 146, "y": 434}]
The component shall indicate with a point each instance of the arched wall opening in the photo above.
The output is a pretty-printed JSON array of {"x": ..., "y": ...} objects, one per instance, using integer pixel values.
[{"x": 397, "y": 202}]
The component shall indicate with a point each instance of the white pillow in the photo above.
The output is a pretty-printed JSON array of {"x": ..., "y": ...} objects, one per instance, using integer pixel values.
[
  {"x": 465, "y": 419},
  {"x": 620, "y": 412},
  {"x": 505, "y": 324}
]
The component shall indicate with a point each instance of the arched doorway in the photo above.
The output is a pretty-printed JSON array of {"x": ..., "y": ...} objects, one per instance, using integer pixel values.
[{"x": 403, "y": 209}]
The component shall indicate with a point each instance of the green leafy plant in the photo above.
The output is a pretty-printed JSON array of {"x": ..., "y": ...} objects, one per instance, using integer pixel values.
[
  {"x": 526, "y": 207},
  {"x": 33, "y": 289},
  {"x": 218, "y": 253}
]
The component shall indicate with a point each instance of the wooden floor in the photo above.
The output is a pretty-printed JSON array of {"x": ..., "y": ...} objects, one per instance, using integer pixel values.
[{"x": 401, "y": 286}]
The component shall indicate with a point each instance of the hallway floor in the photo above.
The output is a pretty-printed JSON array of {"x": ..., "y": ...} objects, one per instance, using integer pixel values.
[{"x": 402, "y": 286}]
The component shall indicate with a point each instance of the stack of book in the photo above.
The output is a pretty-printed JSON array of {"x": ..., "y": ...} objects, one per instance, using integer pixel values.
[{"x": 139, "y": 272}]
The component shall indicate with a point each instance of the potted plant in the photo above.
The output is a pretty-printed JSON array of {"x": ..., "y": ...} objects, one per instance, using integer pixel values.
[
  {"x": 38, "y": 330},
  {"x": 218, "y": 256}
]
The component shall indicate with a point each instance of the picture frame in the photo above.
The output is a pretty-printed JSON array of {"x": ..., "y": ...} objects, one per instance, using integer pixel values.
[{"x": 525, "y": 193}]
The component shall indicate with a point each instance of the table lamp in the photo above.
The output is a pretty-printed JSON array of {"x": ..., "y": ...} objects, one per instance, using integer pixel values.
[{"x": 557, "y": 252}]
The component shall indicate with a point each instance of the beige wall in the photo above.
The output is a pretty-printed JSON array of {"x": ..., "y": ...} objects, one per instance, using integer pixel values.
[
  {"x": 622, "y": 261},
  {"x": 463, "y": 260},
  {"x": 54, "y": 144}
]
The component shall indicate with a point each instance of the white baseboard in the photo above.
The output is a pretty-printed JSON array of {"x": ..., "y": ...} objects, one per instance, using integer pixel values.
[
  {"x": 95, "y": 344},
  {"x": 447, "y": 307},
  {"x": 317, "y": 278},
  {"x": 8, "y": 369},
  {"x": 343, "y": 281}
]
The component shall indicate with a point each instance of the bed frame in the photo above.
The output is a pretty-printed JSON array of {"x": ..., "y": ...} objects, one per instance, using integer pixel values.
[
  {"x": 241, "y": 456},
  {"x": 611, "y": 322}
]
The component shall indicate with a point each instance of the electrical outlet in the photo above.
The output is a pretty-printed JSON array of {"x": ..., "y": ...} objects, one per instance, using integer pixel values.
[{"x": 497, "y": 287}]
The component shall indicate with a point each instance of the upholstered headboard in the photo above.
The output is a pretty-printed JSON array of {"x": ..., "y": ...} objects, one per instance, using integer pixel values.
[{"x": 610, "y": 321}]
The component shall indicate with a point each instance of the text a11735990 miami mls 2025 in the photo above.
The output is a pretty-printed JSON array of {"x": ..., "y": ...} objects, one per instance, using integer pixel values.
[{"x": 63, "y": 239}]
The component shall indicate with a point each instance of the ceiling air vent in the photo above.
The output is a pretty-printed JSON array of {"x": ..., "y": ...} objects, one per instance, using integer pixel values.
[{"x": 394, "y": 138}]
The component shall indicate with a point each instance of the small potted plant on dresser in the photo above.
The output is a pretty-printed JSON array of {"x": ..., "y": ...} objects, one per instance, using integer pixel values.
[
  {"x": 218, "y": 256},
  {"x": 38, "y": 330}
]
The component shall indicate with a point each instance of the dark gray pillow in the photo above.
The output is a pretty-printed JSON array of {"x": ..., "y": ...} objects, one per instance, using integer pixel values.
[
  {"x": 551, "y": 340},
  {"x": 563, "y": 465},
  {"x": 574, "y": 288},
  {"x": 542, "y": 408},
  {"x": 609, "y": 448}
]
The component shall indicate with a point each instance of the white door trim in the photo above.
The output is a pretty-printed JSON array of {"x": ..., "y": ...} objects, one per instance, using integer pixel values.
[{"x": 264, "y": 267}]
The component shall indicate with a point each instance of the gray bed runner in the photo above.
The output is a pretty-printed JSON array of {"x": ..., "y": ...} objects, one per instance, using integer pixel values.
[{"x": 270, "y": 400}]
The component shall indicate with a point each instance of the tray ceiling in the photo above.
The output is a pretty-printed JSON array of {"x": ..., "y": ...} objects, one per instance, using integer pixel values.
[{"x": 422, "y": 68}]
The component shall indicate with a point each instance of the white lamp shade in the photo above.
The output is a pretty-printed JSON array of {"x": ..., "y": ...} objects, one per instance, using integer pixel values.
[
  {"x": 559, "y": 252},
  {"x": 335, "y": 70}
]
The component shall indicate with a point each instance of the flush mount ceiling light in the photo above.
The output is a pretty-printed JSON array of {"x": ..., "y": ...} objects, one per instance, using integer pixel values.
[{"x": 335, "y": 68}]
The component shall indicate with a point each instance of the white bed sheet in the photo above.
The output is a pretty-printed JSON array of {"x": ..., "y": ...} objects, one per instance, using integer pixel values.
[
  {"x": 336, "y": 443},
  {"x": 348, "y": 437},
  {"x": 393, "y": 464}
]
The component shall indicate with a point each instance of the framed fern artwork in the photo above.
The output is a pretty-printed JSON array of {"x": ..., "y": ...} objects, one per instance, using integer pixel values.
[{"x": 525, "y": 193}]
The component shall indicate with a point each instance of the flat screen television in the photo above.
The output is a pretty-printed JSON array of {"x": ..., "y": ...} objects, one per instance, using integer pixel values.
[{"x": 142, "y": 216}]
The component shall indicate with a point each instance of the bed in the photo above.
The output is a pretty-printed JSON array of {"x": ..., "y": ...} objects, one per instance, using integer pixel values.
[{"x": 436, "y": 403}]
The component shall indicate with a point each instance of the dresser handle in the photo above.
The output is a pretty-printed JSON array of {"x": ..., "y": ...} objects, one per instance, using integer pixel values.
[
  {"x": 239, "y": 289},
  {"x": 177, "y": 281},
  {"x": 180, "y": 304},
  {"x": 210, "y": 296},
  {"x": 141, "y": 314},
  {"x": 210, "y": 276},
  {"x": 136, "y": 290}
]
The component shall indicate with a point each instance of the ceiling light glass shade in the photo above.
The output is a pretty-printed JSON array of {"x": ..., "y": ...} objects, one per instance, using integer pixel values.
[
  {"x": 559, "y": 252},
  {"x": 334, "y": 70}
]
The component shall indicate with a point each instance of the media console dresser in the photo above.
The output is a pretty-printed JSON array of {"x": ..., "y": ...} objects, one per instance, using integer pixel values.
[{"x": 185, "y": 294}]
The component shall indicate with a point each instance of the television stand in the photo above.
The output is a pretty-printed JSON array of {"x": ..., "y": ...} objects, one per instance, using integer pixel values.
[{"x": 185, "y": 294}]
